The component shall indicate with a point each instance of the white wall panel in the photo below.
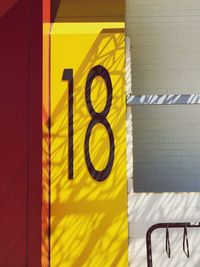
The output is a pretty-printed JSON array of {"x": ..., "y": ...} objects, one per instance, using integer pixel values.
[{"x": 165, "y": 55}]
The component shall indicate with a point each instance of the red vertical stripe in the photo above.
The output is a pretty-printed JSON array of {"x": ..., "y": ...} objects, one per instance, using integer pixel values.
[
  {"x": 46, "y": 10},
  {"x": 35, "y": 135},
  {"x": 20, "y": 134},
  {"x": 13, "y": 135}
]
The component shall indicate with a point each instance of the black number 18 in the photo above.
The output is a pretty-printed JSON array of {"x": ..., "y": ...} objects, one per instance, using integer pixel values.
[{"x": 97, "y": 118}]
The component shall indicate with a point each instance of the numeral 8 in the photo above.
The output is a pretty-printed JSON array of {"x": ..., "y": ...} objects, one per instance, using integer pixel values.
[{"x": 99, "y": 117}]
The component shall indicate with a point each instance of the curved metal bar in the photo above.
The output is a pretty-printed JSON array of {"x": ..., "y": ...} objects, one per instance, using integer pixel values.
[
  {"x": 185, "y": 242},
  {"x": 167, "y": 246}
]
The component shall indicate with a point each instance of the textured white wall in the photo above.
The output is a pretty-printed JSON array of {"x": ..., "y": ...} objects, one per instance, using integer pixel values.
[
  {"x": 129, "y": 122},
  {"x": 148, "y": 209},
  {"x": 165, "y": 40},
  {"x": 166, "y": 142}
]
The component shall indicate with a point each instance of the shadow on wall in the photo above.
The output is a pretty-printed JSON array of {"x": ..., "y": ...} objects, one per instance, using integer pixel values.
[
  {"x": 146, "y": 210},
  {"x": 83, "y": 205}
]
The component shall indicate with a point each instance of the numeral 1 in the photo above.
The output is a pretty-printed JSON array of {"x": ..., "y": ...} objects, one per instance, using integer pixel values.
[{"x": 68, "y": 76}]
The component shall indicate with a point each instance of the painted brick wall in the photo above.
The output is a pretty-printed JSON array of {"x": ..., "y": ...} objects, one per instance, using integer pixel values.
[
  {"x": 165, "y": 55},
  {"x": 129, "y": 122},
  {"x": 148, "y": 209},
  {"x": 165, "y": 41},
  {"x": 166, "y": 142}
]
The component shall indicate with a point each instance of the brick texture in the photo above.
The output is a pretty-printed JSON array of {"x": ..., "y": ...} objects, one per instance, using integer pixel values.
[
  {"x": 165, "y": 41},
  {"x": 163, "y": 142}
]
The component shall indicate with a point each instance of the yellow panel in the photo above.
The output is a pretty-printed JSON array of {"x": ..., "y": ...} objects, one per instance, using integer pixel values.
[{"x": 88, "y": 217}]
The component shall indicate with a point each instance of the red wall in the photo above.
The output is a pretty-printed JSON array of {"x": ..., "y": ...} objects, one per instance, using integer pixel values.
[{"x": 20, "y": 133}]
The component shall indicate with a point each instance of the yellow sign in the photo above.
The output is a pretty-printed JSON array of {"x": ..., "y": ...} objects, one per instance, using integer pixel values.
[{"x": 88, "y": 200}]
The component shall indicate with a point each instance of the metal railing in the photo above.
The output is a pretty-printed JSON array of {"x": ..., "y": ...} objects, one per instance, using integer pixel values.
[{"x": 166, "y": 226}]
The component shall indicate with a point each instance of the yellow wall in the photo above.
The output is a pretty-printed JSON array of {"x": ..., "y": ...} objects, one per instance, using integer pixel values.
[{"x": 88, "y": 217}]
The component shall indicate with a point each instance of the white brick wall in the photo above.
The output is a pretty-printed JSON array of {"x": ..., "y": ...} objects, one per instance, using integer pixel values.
[
  {"x": 129, "y": 122},
  {"x": 166, "y": 145},
  {"x": 148, "y": 209},
  {"x": 165, "y": 40}
]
